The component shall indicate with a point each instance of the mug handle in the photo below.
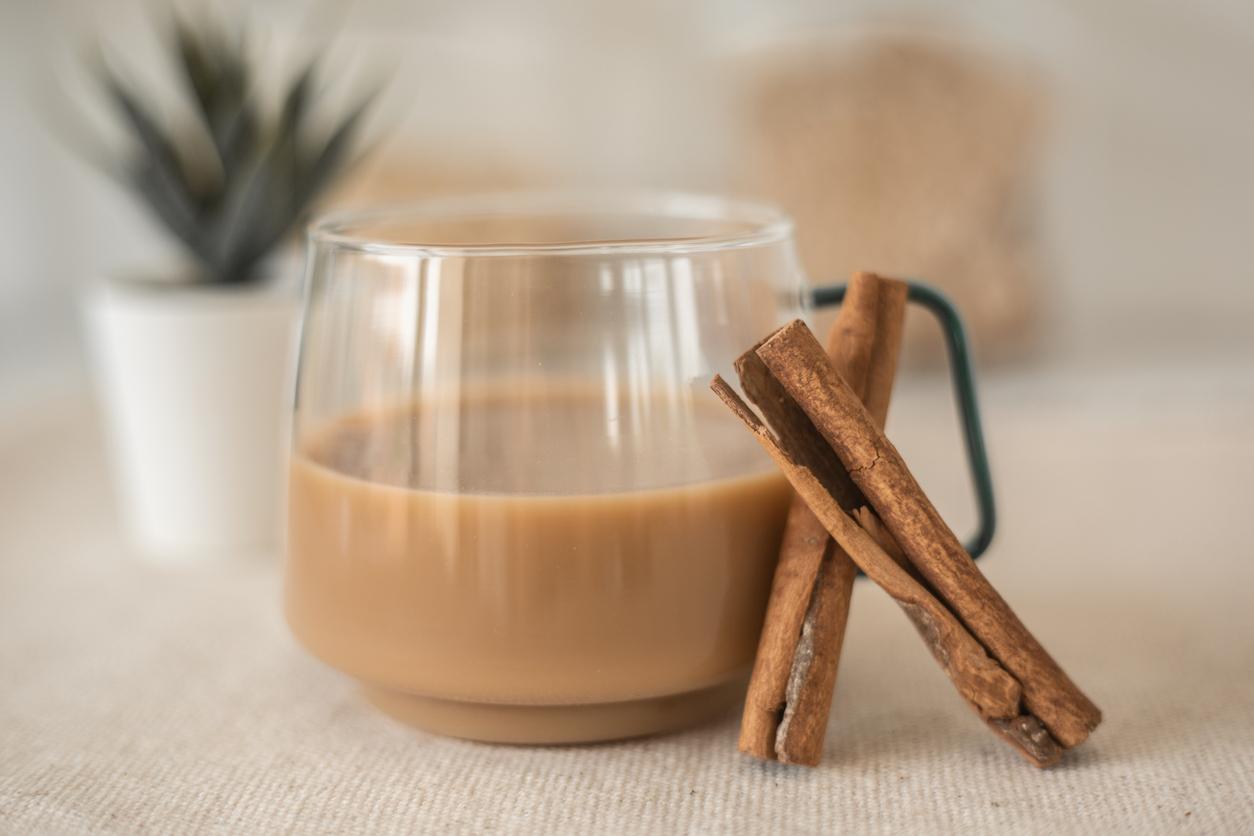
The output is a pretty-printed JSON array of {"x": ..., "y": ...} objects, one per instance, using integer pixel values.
[{"x": 963, "y": 376}]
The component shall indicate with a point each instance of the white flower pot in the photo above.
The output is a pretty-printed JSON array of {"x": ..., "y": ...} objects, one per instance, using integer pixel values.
[{"x": 195, "y": 388}]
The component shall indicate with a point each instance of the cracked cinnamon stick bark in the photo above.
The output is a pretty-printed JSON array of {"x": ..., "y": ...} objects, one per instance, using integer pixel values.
[
  {"x": 803, "y": 446},
  {"x": 992, "y": 692},
  {"x": 796, "y": 361},
  {"x": 790, "y": 691}
]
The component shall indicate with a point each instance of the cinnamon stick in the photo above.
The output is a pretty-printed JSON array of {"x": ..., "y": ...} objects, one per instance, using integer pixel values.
[
  {"x": 980, "y": 680},
  {"x": 790, "y": 691},
  {"x": 796, "y": 361}
]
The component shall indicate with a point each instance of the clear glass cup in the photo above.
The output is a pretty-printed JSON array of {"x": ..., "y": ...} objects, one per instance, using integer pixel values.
[{"x": 516, "y": 511}]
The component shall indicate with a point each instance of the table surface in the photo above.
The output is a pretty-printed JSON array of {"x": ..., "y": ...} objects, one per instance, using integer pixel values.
[{"x": 136, "y": 699}]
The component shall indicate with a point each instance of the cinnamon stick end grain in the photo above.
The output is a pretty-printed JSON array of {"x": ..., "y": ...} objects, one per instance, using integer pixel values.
[{"x": 1029, "y": 738}]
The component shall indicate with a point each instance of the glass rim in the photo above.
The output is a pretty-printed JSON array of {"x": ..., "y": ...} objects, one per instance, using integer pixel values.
[{"x": 764, "y": 223}]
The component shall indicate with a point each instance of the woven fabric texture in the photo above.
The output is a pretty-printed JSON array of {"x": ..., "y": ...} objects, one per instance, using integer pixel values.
[{"x": 142, "y": 700}]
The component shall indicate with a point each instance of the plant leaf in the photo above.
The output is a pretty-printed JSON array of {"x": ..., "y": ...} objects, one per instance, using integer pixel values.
[
  {"x": 167, "y": 166},
  {"x": 238, "y": 141},
  {"x": 296, "y": 102},
  {"x": 318, "y": 173},
  {"x": 268, "y": 170},
  {"x": 168, "y": 206},
  {"x": 239, "y": 219},
  {"x": 217, "y": 73},
  {"x": 295, "y": 184},
  {"x": 198, "y": 68}
]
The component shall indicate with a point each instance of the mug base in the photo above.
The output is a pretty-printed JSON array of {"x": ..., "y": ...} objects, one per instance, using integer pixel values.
[{"x": 556, "y": 724}]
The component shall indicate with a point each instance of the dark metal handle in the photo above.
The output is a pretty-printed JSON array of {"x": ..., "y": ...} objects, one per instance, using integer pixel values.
[{"x": 964, "y": 393}]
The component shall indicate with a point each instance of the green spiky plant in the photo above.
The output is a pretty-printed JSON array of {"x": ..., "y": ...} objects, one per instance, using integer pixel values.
[{"x": 231, "y": 185}]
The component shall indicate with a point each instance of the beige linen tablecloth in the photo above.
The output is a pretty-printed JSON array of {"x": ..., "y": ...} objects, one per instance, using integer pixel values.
[{"x": 139, "y": 700}]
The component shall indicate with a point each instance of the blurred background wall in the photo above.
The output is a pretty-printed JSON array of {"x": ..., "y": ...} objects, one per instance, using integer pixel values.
[{"x": 1137, "y": 171}]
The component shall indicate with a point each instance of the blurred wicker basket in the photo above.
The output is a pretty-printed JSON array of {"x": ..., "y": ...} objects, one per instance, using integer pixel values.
[{"x": 910, "y": 156}]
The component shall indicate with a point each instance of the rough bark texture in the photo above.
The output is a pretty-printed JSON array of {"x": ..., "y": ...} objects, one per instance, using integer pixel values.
[
  {"x": 905, "y": 547},
  {"x": 808, "y": 698},
  {"x": 790, "y": 691},
  {"x": 990, "y": 690},
  {"x": 796, "y": 361}
]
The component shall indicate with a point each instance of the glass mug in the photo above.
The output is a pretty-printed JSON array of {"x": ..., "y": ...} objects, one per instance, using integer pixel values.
[{"x": 516, "y": 511}]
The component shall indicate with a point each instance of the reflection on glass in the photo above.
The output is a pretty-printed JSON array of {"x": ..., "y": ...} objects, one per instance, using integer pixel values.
[{"x": 516, "y": 511}]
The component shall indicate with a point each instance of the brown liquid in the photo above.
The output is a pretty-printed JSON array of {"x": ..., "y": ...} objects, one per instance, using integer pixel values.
[{"x": 539, "y": 575}]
